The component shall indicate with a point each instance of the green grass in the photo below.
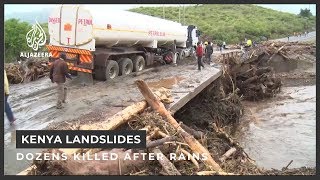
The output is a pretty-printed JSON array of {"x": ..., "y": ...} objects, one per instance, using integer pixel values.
[{"x": 234, "y": 22}]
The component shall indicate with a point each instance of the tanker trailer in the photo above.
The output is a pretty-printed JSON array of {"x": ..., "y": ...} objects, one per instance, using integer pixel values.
[{"x": 107, "y": 44}]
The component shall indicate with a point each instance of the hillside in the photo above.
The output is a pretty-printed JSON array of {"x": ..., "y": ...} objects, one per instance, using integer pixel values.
[{"x": 233, "y": 22}]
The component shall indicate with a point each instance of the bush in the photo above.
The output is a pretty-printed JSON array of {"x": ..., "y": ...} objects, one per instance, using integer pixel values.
[{"x": 15, "y": 38}]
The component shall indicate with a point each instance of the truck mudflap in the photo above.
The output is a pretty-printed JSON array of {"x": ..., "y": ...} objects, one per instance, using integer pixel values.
[{"x": 77, "y": 59}]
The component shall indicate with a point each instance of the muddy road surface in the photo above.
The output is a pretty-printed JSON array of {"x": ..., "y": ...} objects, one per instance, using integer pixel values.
[{"x": 34, "y": 103}]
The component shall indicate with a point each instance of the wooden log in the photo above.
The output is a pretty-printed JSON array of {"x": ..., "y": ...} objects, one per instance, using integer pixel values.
[
  {"x": 159, "y": 142},
  {"x": 196, "y": 134},
  {"x": 118, "y": 119},
  {"x": 280, "y": 48},
  {"x": 285, "y": 57},
  {"x": 162, "y": 134},
  {"x": 168, "y": 167},
  {"x": 193, "y": 160},
  {"x": 113, "y": 122},
  {"x": 250, "y": 80},
  {"x": 95, "y": 150},
  {"x": 190, "y": 140},
  {"x": 152, "y": 134},
  {"x": 263, "y": 70},
  {"x": 285, "y": 168},
  {"x": 220, "y": 133},
  {"x": 228, "y": 154},
  {"x": 26, "y": 171}
]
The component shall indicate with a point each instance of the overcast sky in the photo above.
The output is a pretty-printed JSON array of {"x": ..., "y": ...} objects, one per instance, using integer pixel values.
[{"x": 13, "y": 8}]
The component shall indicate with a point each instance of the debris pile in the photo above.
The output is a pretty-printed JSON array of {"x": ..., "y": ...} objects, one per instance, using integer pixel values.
[
  {"x": 197, "y": 151},
  {"x": 26, "y": 71},
  {"x": 253, "y": 70}
]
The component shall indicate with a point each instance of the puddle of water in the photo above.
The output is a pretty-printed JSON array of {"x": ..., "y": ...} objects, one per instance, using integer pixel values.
[
  {"x": 166, "y": 83},
  {"x": 283, "y": 130}
]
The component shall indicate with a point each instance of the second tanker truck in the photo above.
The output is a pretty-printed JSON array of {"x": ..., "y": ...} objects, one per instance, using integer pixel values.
[{"x": 107, "y": 44}]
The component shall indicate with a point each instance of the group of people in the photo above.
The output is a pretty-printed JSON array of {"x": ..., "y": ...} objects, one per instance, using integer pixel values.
[
  {"x": 297, "y": 34},
  {"x": 205, "y": 51}
]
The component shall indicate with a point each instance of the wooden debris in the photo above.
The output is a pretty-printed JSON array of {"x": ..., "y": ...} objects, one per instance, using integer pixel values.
[
  {"x": 193, "y": 160},
  {"x": 158, "y": 106},
  {"x": 196, "y": 134},
  {"x": 26, "y": 71},
  {"x": 228, "y": 154},
  {"x": 169, "y": 168},
  {"x": 159, "y": 142}
]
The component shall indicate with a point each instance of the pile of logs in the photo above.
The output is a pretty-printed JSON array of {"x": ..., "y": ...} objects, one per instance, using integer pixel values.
[
  {"x": 253, "y": 81},
  {"x": 251, "y": 72},
  {"x": 290, "y": 48},
  {"x": 26, "y": 71}
]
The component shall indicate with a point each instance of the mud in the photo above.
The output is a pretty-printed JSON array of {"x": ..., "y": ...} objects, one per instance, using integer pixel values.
[{"x": 166, "y": 83}]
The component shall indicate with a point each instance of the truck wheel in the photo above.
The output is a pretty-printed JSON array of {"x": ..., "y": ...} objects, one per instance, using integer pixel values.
[
  {"x": 138, "y": 64},
  {"x": 112, "y": 69},
  {"x": 125, "y": 66}
]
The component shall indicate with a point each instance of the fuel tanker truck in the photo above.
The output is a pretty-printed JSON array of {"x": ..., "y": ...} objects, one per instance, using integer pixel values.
[{"x": 106, "y": 44}]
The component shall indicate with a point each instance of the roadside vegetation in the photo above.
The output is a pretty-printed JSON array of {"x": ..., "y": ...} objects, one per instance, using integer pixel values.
[{"x": 15, "y": 32}]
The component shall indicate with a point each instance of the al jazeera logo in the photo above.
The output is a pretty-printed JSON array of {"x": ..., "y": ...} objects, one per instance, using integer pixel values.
[{"x": 36, "y": 38}]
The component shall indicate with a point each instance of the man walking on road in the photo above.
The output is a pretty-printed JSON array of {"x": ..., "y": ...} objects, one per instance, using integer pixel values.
[
  {"x": 208, "y": 51},
  {"x": 174, "y": 51},
  {"x": 58, "y": 74},
  {"x": 7, "y": 107},
  {"x": 199, "y": 53}
]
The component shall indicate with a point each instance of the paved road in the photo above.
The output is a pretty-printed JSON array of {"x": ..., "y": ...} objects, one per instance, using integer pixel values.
[{"x": 311, "y": 36}]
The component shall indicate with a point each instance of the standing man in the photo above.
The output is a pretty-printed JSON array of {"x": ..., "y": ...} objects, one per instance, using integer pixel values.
[
  {"x": 174, "y": 51},
  {"x": 199, "y": 53},
  {"x": 58, "y": 74},
  {"x": 209, "y": 51},
  {"x": 7, "y": 107}
]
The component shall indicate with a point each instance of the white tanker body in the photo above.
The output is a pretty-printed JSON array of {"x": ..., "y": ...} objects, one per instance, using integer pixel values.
[{"x": 112, "y": 43}]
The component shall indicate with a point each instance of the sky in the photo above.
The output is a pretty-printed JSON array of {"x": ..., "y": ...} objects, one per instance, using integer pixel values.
[{"x": 13, "y": 8}]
